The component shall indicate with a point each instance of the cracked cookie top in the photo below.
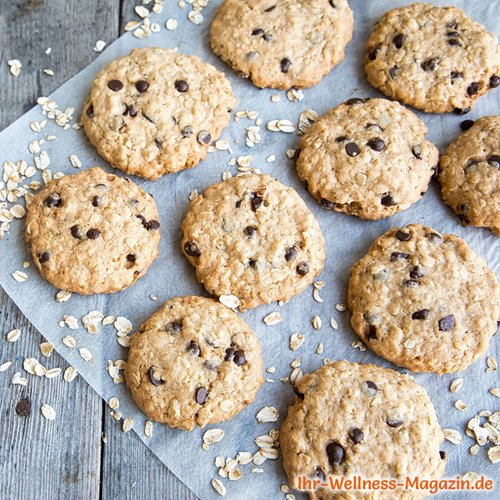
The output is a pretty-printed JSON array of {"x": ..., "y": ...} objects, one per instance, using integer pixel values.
[
  {"x": 433, "y": 58},
  {"x": 193, "y": 362},
  {"x": 423, "y": 300},
  {"x": 290, "y": 43},
  {"x": 92, "y": 232},
  {"x": 253, "y": 237},
  {"x": 156, "y": 111}
]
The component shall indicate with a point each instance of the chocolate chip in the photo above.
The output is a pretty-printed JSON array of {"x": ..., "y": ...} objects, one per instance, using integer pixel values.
[
  {"x": 96, "y": 201},
  {"x": 442, "y": 455},
  {"x": 352, "y": 149},
  {"x": 335, "y": 453},
  {"x": 454, "y": 42},
  {"x": 193, "y": 348},
  {"x": 115, "y": 85},
  {"x": 90, "y": 111},
  {"x": 187, "y": 132},
  {"x": 372, "y": 55},
  {"x": 494, "y": 81},
  {"x": 422, "y": 314},
  {"x": 411, "y": 283},
  {"x": 447, "y": 323},
  {"x": 357, "y": 435},
  {"x": 393, "y": 72},
  {"x": 174, "y": 327},
  {"x": 23, "y": 407},
  {"x": 318, "y": 472},
  {"x": 417, "y": 151},
  {"x": 453, "y": 34},
  {"x": 296, "y": 154},
  {"x": 252, "y": 263},
  {"x": 371, "y": 332},
  {"x": 354, "y": 100},
  {"x": 326, "y": 203},
  {"x": 201, "y": 395},
  {"x": 456, "y": 74},
  {"x": 466, "y": 124},
  {"x": 371, "y": 385},
  {"x": 152, "y": 225},
  {"x": 239, "y": 357},
  {"x": 181, "y": 86},
  {"x": 299, "y": 394},
  {"x": 376, "y": 144},
  {"x": 494, "y": 161},
  {"x": 285, "y": 65},
  {"x": 398, "y": 40},
  {"x": 302, "y": 268},
  {"x": 250, "y": 230},
  {"x": 394, "y": 422},
  {"x": 332, "y": 3},
  {"x": 44, "y": 257},
  {"x": 267, "y": 37},
  {"x": 269, "y": 9},
  {"x": 473, "y": 88},
  {"x": 131, "y": 257},
  {"x": 93, "y": 233},
  {"x": 402, "y": 236},
  {"x": 142, "y": 85},
  {"x": 159, "y": 144},
  {"x": 155, "y": 381},
  {"x": 257, "y": 31},
  {"x": 341, "y": 138},
  {"x": 290, "y": 254},
  {"x": 388, "y": 201},
  {"x": 416, "y": 273},
  {"x": 430, "y": 64},
  {"x": 460, "y": 111},
  {"x": 229, "y": 354},
  {"x": 203, "y": 137},
  {"x": 192, "y": 249},
  {"x": 75, "y": 232},
  {"x": 53, "y": 200},
  {"x": 399, "y": 256},
  {"x": 256, "y": 201}
]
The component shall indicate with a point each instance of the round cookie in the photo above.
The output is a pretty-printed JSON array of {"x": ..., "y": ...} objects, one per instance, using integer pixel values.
[
  {"x": 361, "y": 420},
  {"x": 193, "y": 362},
  {"x": 252, "y": 237},
  {"x": 434, "y": 58},
  {"x": 367, "y": 157},
  {"x": 291, "y": 43},
  {"x": 92, "y": 232},
  {"x": 156, "y": 111},
  {"x": 424, "y": 301},
  {"x": 469, "y": 174}
]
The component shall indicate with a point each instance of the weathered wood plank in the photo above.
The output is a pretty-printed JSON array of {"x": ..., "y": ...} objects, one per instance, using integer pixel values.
[{"x": 40, "y": 458}]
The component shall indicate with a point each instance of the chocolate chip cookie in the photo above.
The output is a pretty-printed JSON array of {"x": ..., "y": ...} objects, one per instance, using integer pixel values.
[
  {"x": 290, "y": 43},
  {"x": 423, "y": 300},
  {"x": 254, "y": 238},
  {"x": 470, "y": 175},
  {"x": 434, "y": 58},
  {"x": 193, "y": 362},
  {"x": 92, "y": 232},
  {"x": 367, "y": 157},
  {"x": 156, "y": 111},
  {"x": 361, "y": 420}
]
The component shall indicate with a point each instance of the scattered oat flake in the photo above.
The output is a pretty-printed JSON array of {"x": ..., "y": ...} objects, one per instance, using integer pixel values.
[
  {"x": 15, "y": 67},
  {"x": 20, "y": 276},
  {"x": 460, "y": 405},
  {"x": 296, "y": 340},
  {"x": 48, "y": 412},
  {"x": 70, "y": 374},
  {"x": 63, "y": 296},
  {"x": 18, "y": 211},
  {"x": 46, "y": 349},
  {"x": 69, "y": 341},
  {"x": 495, "y": 391},
  {"x": 86, "y": 355},
  {"x": 148, "y": 428},
  {"x": 334, "y": 324},
  {"x": 267, "y": 414},
  {"x": 75, "y": 161},
  {"x": 452, "y": 435},
  {"x": 319, "y": 349},
  {"x": 218, "y": 486},
  {"x": 127, "y": 424},
  {"x": 494, "y": 454},
  {"x": 171, "y": 24},
  {"x": 18, "y": 379},
  {"x": 341, "y": 307},
  {"x": 456, "y": 384},
  {"x": 212, "y": 436},
  {"x": 123, "y": 325},
  {"x": 230, "y": 301},
  {"x": 141, "y": 11},
  {"x": 132, "y": 25},
  {"x": 13, "y": 335},
  {"x": 99, "y": 46},
  {"x": 48, "y": 71},
  {"x": 195, "y": 16},
  {"x": 5, "y": 366},
  {"x": 53, "y": 373},
  {"x": 491, "y": 363},
  {"x": 71, "y": 322},
  {"x": 273, "y": 318},
  {"x": 114, "y": 403},
  {"x": 91, "y": 321},
  {"x": 316, "y": 322}
]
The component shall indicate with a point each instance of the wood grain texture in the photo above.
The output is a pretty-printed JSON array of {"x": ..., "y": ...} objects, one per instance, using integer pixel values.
[{"x": 64, "y": 458}]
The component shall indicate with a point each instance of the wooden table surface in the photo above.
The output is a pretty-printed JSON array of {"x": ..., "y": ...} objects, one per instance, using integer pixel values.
[{"x": 66, "y": 458}]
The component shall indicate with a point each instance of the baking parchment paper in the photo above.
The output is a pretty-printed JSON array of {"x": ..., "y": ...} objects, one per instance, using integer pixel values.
[{"x": 347, "y": 240}]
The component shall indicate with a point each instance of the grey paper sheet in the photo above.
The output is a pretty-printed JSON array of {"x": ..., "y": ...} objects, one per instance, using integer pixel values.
[{"x": 347, "y": 240}]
